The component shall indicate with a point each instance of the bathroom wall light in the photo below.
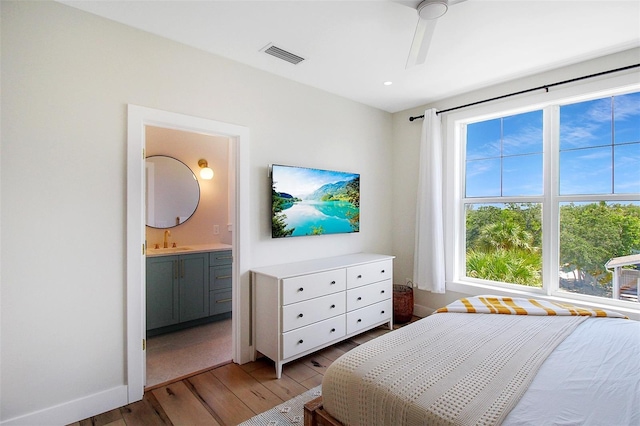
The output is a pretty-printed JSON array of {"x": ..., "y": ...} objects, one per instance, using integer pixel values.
[{"x": 205, "y": 171}]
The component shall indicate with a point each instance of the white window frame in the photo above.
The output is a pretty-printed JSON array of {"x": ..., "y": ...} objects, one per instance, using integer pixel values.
[{"x": 454, "y": 126}]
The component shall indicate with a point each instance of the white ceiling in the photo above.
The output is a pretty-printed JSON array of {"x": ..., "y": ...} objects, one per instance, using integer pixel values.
[{"x": 352, "y": 47}]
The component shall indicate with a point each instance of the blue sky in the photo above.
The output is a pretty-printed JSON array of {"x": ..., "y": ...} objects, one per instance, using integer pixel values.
[
  {"x": 504, "y": 156},
  {"x": 301, "y": 181}
]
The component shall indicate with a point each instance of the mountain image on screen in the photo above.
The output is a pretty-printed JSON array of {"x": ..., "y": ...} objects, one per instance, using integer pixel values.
[{"x": 313, "y": 202}]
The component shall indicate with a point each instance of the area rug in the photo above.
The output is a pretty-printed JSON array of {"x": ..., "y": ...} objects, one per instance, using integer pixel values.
[{"x": 290, "y": 412}]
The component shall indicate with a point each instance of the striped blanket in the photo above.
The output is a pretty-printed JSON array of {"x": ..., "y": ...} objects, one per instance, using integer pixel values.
[{"x": 521, "y": 306}]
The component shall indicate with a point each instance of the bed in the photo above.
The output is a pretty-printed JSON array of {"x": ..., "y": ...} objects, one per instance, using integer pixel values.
[{"x": 542, "y": 363}]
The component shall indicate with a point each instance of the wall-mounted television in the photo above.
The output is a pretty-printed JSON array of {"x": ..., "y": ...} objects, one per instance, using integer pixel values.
[{"x": 306, "y": 201}]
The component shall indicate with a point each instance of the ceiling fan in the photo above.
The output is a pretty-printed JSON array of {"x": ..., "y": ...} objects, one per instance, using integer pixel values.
[{"x": 428, "y": 13}]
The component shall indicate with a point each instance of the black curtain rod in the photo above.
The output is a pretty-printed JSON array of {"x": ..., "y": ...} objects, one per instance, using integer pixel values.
[{"x": 545, "y": 87}]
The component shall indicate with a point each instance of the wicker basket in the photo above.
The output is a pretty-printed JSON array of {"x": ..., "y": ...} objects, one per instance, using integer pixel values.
[{"x": 402, "y": 303}]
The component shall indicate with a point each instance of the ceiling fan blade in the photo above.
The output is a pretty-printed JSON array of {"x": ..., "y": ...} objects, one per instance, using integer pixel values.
[
  {"x": 413, "y": 4},
  {"x": 421, "y": 42}
]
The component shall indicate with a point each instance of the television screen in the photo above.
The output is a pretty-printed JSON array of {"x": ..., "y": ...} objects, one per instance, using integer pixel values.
[{"x": 307, "y": 201}]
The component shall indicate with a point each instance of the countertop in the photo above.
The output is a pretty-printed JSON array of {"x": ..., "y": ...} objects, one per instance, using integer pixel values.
[{"x": 187, "y": 249}]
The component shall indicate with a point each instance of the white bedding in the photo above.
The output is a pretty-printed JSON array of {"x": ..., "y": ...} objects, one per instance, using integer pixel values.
[
  {"x": 591, "y": 378},
  {"x": 601, "y": 356}
]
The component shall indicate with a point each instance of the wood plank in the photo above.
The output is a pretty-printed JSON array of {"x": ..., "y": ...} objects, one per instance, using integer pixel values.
[
  {"x": 286, "y": 388},
  {"x": 312, "y": 382},
  {"x": 102, "y": 419},
  {"x": 332, "y": 352},
  {"x": 369, "y": 335},
  {"x": 119, "y": 422},
  {"x": 147, "y": 411},
  {"x": 317, "y": 362},
  {"x": 298, "y": 371},
  {"x": 255, "y": 395},
  {"x": 258, "y": 363},
  {"x": 228, "y": 408},
  {"x": 182, "y": 406},
  {"x": 345, "y": 345}
]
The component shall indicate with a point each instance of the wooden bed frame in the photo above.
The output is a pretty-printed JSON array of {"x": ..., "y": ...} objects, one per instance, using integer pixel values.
[{"x": 316, "y": 415}]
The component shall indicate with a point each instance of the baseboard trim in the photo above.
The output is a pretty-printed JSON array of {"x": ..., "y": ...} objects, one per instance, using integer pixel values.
[
  {"x": 422, "y": 311},
  {"x": 73, "y": 411}
]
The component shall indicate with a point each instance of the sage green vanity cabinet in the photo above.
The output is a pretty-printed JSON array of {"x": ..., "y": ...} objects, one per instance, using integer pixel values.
[
  {"x": 177, "y": 289},
  {"x": 162, "y": 292},
  {"x": 220, "y": 282},
  {"x": 194, "y": 286}
]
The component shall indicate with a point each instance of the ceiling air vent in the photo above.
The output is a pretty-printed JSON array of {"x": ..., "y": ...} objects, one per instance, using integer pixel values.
[{"x": 282, "y": 54}]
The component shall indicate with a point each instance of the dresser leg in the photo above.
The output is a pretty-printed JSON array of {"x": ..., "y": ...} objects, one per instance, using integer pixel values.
[{"x": 278, "y": 370}]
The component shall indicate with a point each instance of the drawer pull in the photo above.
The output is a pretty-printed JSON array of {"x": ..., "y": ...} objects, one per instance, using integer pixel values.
[
  {"x": 224, "y": 300},
  {"x": 333, "y": 330},
  {"x": 223, "y": 277},
  {"x": 333, "y": 306},
  {"x": 332, "y": 282},
  {"x": 382, "y": 312},
  {"x": 300, "y": 341},
  {"x": 359, "y": 320},
  {"x": 359, "y": 276},
  {"x": 301, "y": 289},
  {"x": 359, "y": 298},
  {"x": 382, "y": 292},
  {"x": 300, "y": 315},
  {"x": 382, "y": 272}
]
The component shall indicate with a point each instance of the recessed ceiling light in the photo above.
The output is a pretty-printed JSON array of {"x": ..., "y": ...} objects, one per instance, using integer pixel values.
[{"x": 388, "y": 83}]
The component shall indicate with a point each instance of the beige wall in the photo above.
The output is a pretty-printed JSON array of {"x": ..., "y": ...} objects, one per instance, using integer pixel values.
[{"x": 67, "y": 77}]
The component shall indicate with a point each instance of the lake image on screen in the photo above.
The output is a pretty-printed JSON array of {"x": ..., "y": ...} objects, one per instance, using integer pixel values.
[{"x": 314, "y": 202}]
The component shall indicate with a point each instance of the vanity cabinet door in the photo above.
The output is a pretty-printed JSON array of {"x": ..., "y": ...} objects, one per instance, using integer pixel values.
[
  {"x": 194, "y": 286},
  {"x": 162, "y": 291}
]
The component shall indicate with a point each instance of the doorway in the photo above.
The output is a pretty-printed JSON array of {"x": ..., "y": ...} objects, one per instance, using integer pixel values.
[
  {"x": 183, "y": 344},
  {"x": 138, "y": 118}
]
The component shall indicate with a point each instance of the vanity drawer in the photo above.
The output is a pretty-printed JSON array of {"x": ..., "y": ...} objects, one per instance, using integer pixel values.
[
  {"x": 304, "y": 313},
  {"x": 369, "y": 273},
  {"x": 220, "y": 278},
  {"x": 311, "y": 336},
  {"x": 224, "y": 257},
  {"x": 298, "y": 289},
  {"x": 362, "y": 296},
  {"x": 368, "y": 316},
  {"x": 219, "y": 302}
]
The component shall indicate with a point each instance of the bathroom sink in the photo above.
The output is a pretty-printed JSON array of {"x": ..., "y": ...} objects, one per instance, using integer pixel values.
[{"x": 168, "y": 250}]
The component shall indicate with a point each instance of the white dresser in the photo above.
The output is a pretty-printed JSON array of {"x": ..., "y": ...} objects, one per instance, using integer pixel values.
[{"x": 304, "y": 306}]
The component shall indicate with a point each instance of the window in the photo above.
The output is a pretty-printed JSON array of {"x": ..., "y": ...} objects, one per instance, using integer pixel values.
[{"x": 551, "y": 195}]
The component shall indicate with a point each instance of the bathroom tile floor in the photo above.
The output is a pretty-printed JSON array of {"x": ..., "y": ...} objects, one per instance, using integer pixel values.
[{"x": 179, "y": 354}]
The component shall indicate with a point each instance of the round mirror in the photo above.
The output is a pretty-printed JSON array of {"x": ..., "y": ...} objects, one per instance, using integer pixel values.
[{"x": 173, "y": 192}]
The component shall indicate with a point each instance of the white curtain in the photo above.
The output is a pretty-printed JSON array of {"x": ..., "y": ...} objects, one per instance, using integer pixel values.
[{"x": 428, "y": 262}]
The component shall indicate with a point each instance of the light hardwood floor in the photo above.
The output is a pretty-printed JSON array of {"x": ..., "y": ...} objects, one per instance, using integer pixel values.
[{"x": 228, "y": 394}]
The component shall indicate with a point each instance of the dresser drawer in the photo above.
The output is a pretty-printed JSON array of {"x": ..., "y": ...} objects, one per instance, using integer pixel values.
[
  {"x": 304, "y": 313},
  {"x": 369, "y": 273},
  {"x": 307, "y": 287},
  {"x": 368, "y": 316},
  {"x": 366, "y": 295},
  {"x": 311, "y": 336}
]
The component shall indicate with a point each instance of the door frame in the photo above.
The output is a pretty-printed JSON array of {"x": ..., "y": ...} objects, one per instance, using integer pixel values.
[{"x": 138, "y": 118}]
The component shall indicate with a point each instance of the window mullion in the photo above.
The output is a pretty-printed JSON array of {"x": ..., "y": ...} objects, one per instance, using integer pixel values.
[{"x": 550, "y": 205}]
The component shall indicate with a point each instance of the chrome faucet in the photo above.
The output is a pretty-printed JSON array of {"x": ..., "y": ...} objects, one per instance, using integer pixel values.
[{"x": 167, "y": 234}]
